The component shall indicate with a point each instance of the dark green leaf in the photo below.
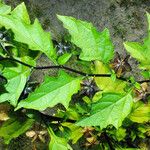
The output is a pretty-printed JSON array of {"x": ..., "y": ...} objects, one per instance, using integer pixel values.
[
  {"x": 17, "y": 77},
  {"x": 14, "y": 127}
]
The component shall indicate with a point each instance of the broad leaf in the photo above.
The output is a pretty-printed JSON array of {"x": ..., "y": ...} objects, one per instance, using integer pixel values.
[
  {"x": 51, "y": 92},
  {"x": 57, "y": 143},
  {"x": 106, "y": 84},
  {"x": 111, "y": 109},
  {"x": 141, "y": 51},
  {"x": 94, "y": 45},
  {"x": 4, "y": 9},
  {"x": 20, "y": 12},
  {"x": 140, "y": 113},
  {"x": 17, "y": 77},
  {"x": 12, "y": 128},
  {"x": 30, "y": 34}
]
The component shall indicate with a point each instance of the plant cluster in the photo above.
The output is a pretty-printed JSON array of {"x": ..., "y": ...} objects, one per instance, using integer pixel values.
[{"x": 94, "y": 104}]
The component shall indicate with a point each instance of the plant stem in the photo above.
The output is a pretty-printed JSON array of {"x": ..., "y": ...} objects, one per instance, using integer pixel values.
[{"x": 66, "y": 68}]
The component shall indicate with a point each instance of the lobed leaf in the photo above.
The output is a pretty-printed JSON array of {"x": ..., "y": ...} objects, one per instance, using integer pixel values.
[
  {"x": 51, "y": 92},
  {"x": 111, "y": 109},
  {"x": 31, "y": 34},
  {"x": 94, "y": 45}
]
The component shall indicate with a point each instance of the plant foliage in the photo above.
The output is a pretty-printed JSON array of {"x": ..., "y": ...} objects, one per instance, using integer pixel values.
[{"x": 95, "y": 105}]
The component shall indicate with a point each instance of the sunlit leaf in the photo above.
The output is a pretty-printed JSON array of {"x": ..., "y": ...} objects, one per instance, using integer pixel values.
[
  {"x": 64, "y": 58},
  {"x": 4, "y": 9},
  {"x": 107, "y": 84},
  {"x": 140, "y": 112},
  {"x": 54, "y": 90},
  {"x": 94, "y": 45},
  {"x": 111, "y": 109},
  {"x": 20, "y": 12},
  {"x": 31, "y": 34},
  {"x": 57, "y": 143},
  {"x": 121, "y": 134},
  {"x": 141, "y": 51}
]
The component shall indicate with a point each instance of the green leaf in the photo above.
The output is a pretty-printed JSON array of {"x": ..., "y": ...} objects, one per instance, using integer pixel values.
[
  {"x": 146, "y": 74},
  {"x": 141, "y": 51},
  {"x": 121, "y": 134},
  {"x": 31, "y": 34},
  {"x": 107, "y": 84},
  {"x": 4, "y": 9},
  {"x": 14, "y": 127},
  {"x": 57, "y": 143},
  {"x": 64, "y": 58},
  {"x": 20, "y": 12},
  {"x": 17, "y": 77},
  {"x": 111, "y": 109},
  {"x": 94, "y": 45},
  {"x": 76, "y": 132},
  {"x": 51, "y": 92},
  {"x": 140, "y": 112}
]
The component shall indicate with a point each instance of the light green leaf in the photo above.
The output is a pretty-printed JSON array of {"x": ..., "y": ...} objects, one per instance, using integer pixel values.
[
  {"x": 76, "y": 132},
  {"x": 111, "y": 109},
  {"x": 94, "y": 45},
  {"x": 140, "y": 112},
  {"x": 107, "y": 84},
  {"x": 57, "y": 143},
  {"x": 64, "y": 58},
  {"x": 4, "y": 9},
  {"x": 51, "y": 92},
  {"x": 31, "y": 34},
  {"x": 141, "y": 51},
  {"x": 148, "y": 19},
  {"x": 138, "y": 51},
  {"x": 121, "y": 134},
  {"x": 20, "y": 12},
  {"x": 14, "y": 127},
  {"x": 17, "y": 77}
]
